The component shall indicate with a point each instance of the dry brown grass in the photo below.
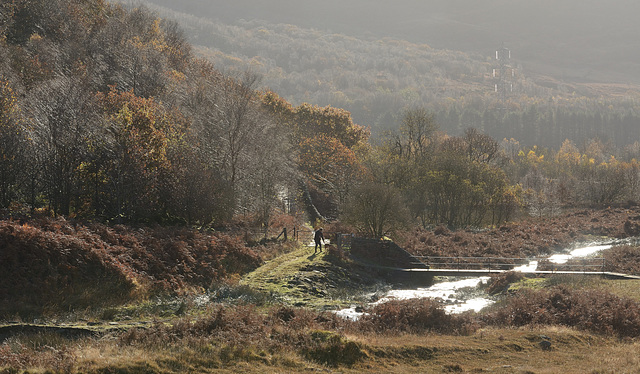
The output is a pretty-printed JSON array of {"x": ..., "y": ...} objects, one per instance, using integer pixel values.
[
  {"x": 292, "y": 340},
  {"x": 496, "y": 350},
  {"x": 532, "y": 237}
]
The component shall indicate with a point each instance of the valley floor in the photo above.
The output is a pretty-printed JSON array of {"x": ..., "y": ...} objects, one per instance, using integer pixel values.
[{"x": 292, "y": 328}]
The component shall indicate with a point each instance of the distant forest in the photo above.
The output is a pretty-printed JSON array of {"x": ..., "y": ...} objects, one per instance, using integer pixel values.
[
  {"x": 376, "y": 79},
  {"x": 576, "y": 40}
]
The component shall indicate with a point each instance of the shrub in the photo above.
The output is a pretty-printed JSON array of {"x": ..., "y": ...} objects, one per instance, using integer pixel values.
[
  {"x": 500, "y": 283},
  {"x": 622, "y": 259},
  {"x": 333, "y": 350},
  {"x": 335, "y": 254},
  {"x": 415, "y": 316},
  {"x": 442, "y": 230},
  {"x": 592, "y": 310}
]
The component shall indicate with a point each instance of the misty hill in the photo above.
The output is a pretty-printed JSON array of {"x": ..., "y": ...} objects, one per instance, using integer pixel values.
[
  {"x": 584, "y": 40},
  {"x": 377, "y": 77}
]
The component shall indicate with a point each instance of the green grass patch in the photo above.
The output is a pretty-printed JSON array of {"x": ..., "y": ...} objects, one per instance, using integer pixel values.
[
  {"x": 303, "y": 278},
  {"x": 533, "y": 283}
]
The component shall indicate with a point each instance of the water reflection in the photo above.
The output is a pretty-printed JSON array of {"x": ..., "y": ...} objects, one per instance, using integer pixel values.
[{"x": 449, "y": 292}]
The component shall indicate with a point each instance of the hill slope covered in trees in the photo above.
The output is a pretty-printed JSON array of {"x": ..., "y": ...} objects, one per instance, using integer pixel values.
[
  {"x": 574, "y": 40},
  {"x": 379, "y": 74},
  {"x": 106, "y": 112}
]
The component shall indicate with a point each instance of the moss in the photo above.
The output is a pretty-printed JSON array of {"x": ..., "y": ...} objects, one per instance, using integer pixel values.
[{"x": 303, "y": 278}]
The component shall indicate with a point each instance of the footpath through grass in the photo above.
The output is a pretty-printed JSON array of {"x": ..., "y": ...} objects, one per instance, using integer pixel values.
[{"x": 316, "y": 280}]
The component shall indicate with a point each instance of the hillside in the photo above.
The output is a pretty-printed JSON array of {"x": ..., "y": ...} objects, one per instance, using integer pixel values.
[
  {"x": 155, "y": 207},
  {"x": 376, "y": 76},
  {"x": 575, "y": 40},
  {"x": 52, "y": 265}
]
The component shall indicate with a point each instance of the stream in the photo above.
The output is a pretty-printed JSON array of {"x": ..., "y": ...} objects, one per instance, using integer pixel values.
[{"x": 460, "y": 294}]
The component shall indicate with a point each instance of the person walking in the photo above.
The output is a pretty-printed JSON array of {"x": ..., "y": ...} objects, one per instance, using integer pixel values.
[{"x": 319, "y": 239}]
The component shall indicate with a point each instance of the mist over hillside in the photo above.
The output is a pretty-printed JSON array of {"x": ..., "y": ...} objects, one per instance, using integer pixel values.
[
  {"x": 576, "y": 40},
  {"x": 572, "y": 72}
]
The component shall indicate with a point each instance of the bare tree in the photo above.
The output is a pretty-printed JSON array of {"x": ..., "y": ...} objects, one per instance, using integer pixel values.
[
  {"x": 377, "y": 209},
  {"x": 480, "y": 147},
  {"x": 62, "y": 116},
  {"x": 415, "y": 140},
  {"x": 12, "y": 145}
]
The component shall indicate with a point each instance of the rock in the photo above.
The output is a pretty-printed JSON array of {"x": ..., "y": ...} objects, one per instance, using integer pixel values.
[{"x": 545, "y": 345}]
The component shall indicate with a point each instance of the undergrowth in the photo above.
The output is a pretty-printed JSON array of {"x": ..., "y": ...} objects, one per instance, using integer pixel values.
[
  {"x": 596, "y": 311},
  {"x": 50, "y": 266}
]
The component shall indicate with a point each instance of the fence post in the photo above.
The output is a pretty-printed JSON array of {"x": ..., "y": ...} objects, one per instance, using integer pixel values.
[{"x": 283, "y": 232}]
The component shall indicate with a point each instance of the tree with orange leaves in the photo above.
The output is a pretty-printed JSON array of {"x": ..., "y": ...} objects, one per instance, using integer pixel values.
[
  {"x": 331, "y": 166},
  {"x": 136, "y": 141}
]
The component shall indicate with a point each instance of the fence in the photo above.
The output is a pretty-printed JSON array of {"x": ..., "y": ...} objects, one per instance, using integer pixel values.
[
  {"x": 341, "y": 240},
  {"x": 507, "y": 263}
]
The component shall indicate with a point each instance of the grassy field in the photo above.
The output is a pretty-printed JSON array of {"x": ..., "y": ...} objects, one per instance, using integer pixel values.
[{"x": 494, "y": 350}]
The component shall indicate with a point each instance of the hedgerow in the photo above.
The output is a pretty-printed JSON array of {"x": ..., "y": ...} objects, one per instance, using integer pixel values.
[{"x": 415, "y": 316}]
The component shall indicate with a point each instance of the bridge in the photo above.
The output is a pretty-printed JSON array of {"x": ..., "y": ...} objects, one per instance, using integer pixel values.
[
  {"x": 485, "y": 266},
  {"x": 388, "y": 255}
]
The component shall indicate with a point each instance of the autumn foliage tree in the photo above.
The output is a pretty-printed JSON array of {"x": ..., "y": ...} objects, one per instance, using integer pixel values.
[
  {"x": 329, "y": 148},
  {"x": 331, "y": 165},
  {"x": 137, "y": 137},
  {"x": 106, "y": 113},
  {"x": 446, "y": 179}
]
